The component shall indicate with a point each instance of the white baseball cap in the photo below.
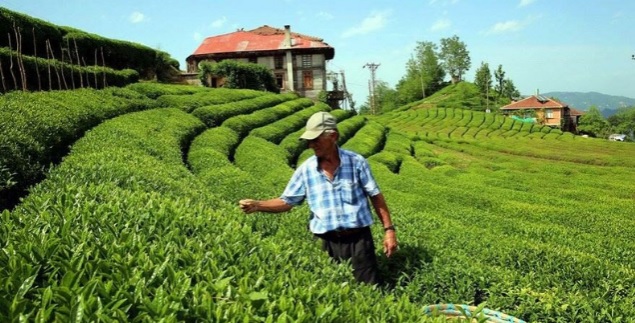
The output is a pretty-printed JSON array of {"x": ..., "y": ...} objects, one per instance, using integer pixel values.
[{"x": 317, "y": 124}]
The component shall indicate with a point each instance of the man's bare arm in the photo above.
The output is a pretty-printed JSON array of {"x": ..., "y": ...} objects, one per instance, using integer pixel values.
[
  {"x": 390, "y": 237},
  {"x": 276, "y": 205},
  {"x": 381, "y": 208}
]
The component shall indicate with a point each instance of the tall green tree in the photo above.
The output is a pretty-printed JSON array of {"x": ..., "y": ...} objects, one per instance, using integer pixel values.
[
  {"x": 455, "y": 58},
  {"x": 385, "y": 99},
  {"x": 424, "y": 74},
  {"x": 428, "y": 67},
  {"x": 593, "y": 123},
  {"x": 499, "y": 75},
  {"x": 408, "y": 90},
  {"x": 483, "y": 79},
  {"x": 509, "y": 89}
]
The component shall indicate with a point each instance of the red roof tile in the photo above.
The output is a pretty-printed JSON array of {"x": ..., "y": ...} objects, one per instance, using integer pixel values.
[
  {"x": 533, "y": 102},
  {"x": 263, "y": 38}
]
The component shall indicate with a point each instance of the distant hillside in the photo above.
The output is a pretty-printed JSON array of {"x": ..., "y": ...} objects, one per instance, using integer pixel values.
[{"x": 608, "y": 104}]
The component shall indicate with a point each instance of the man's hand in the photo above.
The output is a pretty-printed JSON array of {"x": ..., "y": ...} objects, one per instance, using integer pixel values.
[
  {"x": 248, "y": 205},
  {"x": 390, "y": 243}
]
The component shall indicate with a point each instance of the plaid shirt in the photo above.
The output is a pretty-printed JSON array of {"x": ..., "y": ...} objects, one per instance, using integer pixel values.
[{"x": 338, "y": 204}]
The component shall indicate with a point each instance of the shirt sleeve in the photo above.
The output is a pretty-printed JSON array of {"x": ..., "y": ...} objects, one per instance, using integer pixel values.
[
  {"x": 295, "y": 192},
  {"x": 366, "y": 177}
]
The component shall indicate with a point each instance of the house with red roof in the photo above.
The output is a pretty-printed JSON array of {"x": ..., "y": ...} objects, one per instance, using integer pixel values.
[
  {"x": 297, "y": 61},
  {"x": 548, "y": 111}
]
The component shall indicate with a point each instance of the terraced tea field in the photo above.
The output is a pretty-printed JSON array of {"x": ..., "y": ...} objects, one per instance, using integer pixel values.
[{"x": 133, "y": 212}]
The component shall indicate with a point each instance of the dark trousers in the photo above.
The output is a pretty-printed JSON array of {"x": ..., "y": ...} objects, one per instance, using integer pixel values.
[{"x": 356, "y": 245}]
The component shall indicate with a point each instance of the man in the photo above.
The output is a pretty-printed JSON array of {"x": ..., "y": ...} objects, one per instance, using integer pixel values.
[{"x": 337, "y": 185}]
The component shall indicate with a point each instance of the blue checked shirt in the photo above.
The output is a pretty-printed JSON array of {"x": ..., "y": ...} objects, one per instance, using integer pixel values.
[{"x": 338, "y": 204}]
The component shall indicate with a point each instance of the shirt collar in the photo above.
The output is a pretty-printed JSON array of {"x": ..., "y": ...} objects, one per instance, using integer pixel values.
[{"x": 316, "y": 164}]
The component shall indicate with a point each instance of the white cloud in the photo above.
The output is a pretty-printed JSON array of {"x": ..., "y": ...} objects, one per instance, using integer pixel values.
[
  {"x": 218, "y": 22},
  {"x": 325, "y": 15},
  {"x": 441, "y": 24},
  {"x": 511, "y": 26},
  {"x": 137, "y": 17},
  {"x": 524, "y": 3},
  {"x": 197, "y": 36},
  {"x": 505, "y": 27},
  {"x": 376, "y": 20}
]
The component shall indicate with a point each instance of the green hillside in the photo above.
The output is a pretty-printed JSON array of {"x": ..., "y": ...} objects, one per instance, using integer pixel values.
[{"x": 132, "y": 215}]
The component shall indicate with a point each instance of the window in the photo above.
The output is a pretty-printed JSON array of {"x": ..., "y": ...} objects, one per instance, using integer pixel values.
[
  {"x": 548, "y": 113},
  {"x": 280, "y": 80},
  {"x": 308, "y": 80},
  {"x": 306, "y": 61},
  {"x": 253, "y": 60},
  {"x": 278, "y": 62}
]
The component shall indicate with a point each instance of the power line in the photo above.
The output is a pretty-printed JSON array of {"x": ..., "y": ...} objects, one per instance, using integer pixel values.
[{"x": 371, "y": 86}]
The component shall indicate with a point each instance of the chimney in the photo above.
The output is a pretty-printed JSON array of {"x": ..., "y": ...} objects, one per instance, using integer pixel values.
[
  {"x": 289, "y": 58},
  {"x": 287, "y": 36}
]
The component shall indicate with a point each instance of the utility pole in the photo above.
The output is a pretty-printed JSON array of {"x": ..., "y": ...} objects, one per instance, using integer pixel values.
[
  {"x": 487, "y": 93},
  {"x": 371, "y": 86},
  {"x": 346, "y": 94}
]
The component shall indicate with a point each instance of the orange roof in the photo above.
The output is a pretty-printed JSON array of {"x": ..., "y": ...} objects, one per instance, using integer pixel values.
[
  {"x": 534, "y": 102},
  {"x": 263, "y": 38}
]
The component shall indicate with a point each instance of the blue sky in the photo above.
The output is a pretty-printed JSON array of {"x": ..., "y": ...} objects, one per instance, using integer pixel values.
[{"x": 545, "y": 45}]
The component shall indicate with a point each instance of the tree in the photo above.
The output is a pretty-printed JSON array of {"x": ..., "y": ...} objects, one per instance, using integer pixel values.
[
  {"x": 408, "y": 90},
  {"x": 364, "y": 109},
  {"x": 424, "y": 74},
  {"x": 385, "y": 99},
  {"x": 499, "y": 75},
  {"x": 239, "y": 75},
  {"x": 593, "y": 123},
  {"x": 483, "y": 81},
  {"x": 509, "y": 89},
  {"x": 427, "y": 67},
  {"x": 455, "y": 58},
  {"x": 483, "y": 78},
  {"x": 623, "y": 121}
]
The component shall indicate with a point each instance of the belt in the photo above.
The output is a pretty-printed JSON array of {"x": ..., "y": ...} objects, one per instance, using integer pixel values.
[{"x": 342, "y": 233}]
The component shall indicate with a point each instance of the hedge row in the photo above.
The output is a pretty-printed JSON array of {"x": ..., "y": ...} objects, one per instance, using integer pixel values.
[
  {"x": 209, "y": 159},
  {"x": 37, "y": 128},
  {"x": 278, "y": 130},
  {"x": 37, "y": 35},
  {"x": 154, "y": 90},
  {"x": 389, "y": 159},
  {"x": 265, "y": 161},
  {"x": 369, "y": 140},
  {"x": 398, "y": 143},
  {"x": 244, "y": 123},
  {"x": 214, "y": 115},
  {"x": 212, "y": 96},
  {"x": 397, "y": 146},
  {"x": 49, "y": 74}
]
